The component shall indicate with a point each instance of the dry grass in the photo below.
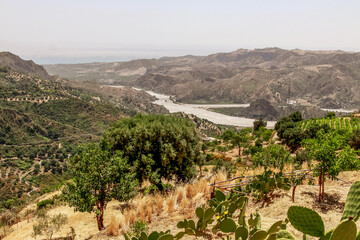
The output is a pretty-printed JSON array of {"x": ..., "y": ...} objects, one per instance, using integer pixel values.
[
  {"x": 149, "y": 211},
  {"x": 170, "y": 204},
  {"x": 180, "y": 194},
  {"x": 190, "y": 191},
  {"x": 159, "y": 201},
  {"x": 163, "y": 212},
  {"x": 183, "y": 205},
  {"x": 113, "y": 228}
]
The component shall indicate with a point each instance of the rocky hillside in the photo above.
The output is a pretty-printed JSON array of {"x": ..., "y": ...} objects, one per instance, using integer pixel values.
[
  {"x": 43, "y": 119},
  {"x": 20, "y": 65},
  {"x": 322, "y": 78}
]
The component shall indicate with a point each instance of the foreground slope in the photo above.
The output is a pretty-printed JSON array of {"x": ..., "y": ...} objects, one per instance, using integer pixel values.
[
  {"x": 42, "y": 121},
  {"x": 167, "y": 211}
]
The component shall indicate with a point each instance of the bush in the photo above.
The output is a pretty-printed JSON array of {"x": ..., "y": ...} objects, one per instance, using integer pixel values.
[
  {"x": 301, "y": 157},
  {"x": 45, "y": 203},
  {"x": 158, "y": 146},
  {"x": 259, "y": 123},
  {"x": 272, "y": 156},
  {"x": 354, "y": 139},
  {"x": 137, "y": 228}
]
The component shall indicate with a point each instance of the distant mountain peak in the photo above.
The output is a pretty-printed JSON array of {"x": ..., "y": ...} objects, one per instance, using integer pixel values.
[{"x": 18, "y": 64}]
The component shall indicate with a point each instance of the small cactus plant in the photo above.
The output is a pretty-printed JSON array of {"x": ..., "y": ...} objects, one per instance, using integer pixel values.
[
  {"x": 346, "y": 230},
  {"x": 352, "y": 204},
  {"x": 306, "y": 220}
]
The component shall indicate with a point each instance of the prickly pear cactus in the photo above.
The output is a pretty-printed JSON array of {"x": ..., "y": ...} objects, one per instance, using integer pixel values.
[
  {"x": 358, "y": 236},
  {"x": 306, "y": 220},
  {"x": 284, "y": 234},
  {"x": 228, "y": 225},
  {"x": 352, "y": 204},
  {"x": 259, "y": 235},
  {"x": 241, "y": 233},
  {"x": 344, "y": 231},
  {"x": 166, "y": 237},
  {"x": 274, "y": 227}
]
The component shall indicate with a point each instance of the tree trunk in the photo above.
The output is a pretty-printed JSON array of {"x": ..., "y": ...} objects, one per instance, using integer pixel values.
[
  {"x": 239, "y": 151},
  {"x": 100, "y": 217},
  {"x": 320, "y": 185},
  {"x": 293, "y": 193},
  {"x": 323, "y": 188}
]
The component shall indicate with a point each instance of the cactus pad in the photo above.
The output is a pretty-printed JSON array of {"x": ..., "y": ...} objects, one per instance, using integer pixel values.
[
  {"x": 306, "y": 220},
  {"x": 352, "y": 204},
  {"x": 220, "y": 196},
  {"x": 259, "y": 235},
  {"x": 209, "y": 213},
  {"x": 199, "y": 212},
  {"x": 274, "y": 227},
  {"x": 241, "y": 233},
  {"x": 344, "y": 231},
  {"x": 284, "y": 234},
  {"x": 166, "y": 237},
  {"x": 154, "y": 236},
  {"x": 228, "y": 225}
]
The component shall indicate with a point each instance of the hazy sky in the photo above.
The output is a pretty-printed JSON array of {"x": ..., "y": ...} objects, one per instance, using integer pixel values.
[{"x": 51, "y": 31}]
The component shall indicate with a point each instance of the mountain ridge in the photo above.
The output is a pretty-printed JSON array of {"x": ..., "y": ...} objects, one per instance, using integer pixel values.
[
  {"x": 18, "y": 64},
  {"x": 319, "y": 78}
]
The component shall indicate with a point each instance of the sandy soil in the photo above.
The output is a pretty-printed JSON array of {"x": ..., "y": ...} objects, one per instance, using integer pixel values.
[{"x": 86, "y": 227}]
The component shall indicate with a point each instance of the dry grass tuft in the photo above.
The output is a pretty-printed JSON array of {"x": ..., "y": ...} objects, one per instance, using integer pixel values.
[
  {"x": 142, "y": 215},
  {"x": 149, "y": 211},
  {"x": 190, "y": 191},
  {"x": 180, "y": 194},
  {"x": 113, "y": 228},
  {"x": 221, "y": 176},
  {"x": 171, "y": 204},
  {"x": 122, "y": 224},
  {"x": 159, "y": 204},
  {"x": 182, "y": 205},
  {"x": 131, "y": 218},
  {"x": 204, "y": 187}
]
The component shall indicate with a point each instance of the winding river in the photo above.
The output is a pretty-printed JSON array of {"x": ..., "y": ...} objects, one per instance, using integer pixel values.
[{"x": 200, "y": 110}]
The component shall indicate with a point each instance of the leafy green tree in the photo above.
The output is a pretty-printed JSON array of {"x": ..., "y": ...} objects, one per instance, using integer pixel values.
[
  {"x": 241, "y": 139},
  {"x": 325, "y": 148},
  {"x": 296, "y": 116},
  {"x": 228, "y": 135},
  {"x": 259, "y": 123},
  {"x": 293, "y": 137},
  {"x": 157, "y": 146},
  {"x": 99, "y": 175},
  {"x": 274, "y": 155},
  {"x": 330, "y": 115},
  {"x": 354, "y": 139},
  {"x": 313, "y": 128}
]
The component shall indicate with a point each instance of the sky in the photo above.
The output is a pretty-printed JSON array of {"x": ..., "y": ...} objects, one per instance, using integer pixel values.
[{"x": 71, "y": 31}]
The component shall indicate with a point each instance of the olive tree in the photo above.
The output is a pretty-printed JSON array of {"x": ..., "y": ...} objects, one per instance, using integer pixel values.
[
  {"x": 332, "y": 154},
  {"x": 99, "y": 175},
  {"x": 157, "y": 146}
]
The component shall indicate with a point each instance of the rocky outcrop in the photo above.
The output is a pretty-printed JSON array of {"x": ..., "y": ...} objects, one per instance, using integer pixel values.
[{"x": 16, "y": 63}]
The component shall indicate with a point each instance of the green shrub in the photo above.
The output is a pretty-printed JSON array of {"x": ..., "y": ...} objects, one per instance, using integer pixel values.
[
  {"x": 45, "y": 203},
  {"x": 137, "y": 228}
]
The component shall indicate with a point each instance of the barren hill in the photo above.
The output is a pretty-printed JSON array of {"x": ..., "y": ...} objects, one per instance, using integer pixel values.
[
  {"x": 322, "y": 78},
  {"x": 20, "y": 65}
]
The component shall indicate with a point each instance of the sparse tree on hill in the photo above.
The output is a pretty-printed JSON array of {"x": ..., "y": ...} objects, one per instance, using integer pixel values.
[
  {"x": 259, "y": 123},
  {"x": 240, "y": 139},
  {"x": 99, "y": 176},
  {"x": 325, "y": 149}
]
